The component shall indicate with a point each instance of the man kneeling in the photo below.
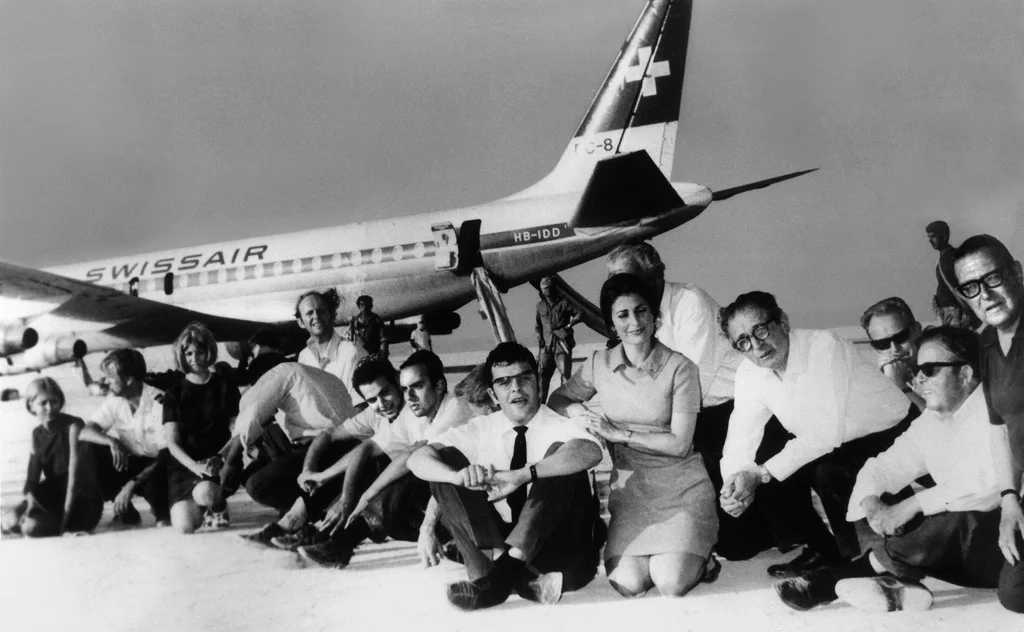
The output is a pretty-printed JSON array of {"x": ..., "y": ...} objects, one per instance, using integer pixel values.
[
  {"x": 948, "y": 531},
  {"x": 515, "y": 481}
]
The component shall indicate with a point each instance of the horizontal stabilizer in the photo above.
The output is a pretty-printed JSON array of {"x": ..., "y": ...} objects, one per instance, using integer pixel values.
[
  {"x": 725, "y": 194},
  {"x": 590, "y": 313},
  {"x": 624, "y": 189}
]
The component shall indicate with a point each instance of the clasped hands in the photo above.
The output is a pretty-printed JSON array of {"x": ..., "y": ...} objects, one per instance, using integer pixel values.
[
  {"x": 738, "y": 492},
  {"x": 497, "y": 483},
  {"x": 889, "y": 520},
  {"x": 598, "y": 425}
]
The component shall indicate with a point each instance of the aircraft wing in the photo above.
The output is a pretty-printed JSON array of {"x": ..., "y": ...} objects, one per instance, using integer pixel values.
[{"x": 136, "y": 321}]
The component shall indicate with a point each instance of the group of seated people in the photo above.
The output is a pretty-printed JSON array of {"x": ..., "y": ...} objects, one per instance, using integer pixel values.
[{"x": 719, "y": 423}]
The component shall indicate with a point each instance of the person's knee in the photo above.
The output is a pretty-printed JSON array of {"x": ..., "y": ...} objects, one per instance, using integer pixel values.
[
  {"x": 1011, "y": 594},
  {"x": 185, "y": 517},
  {"x": 677, "y": 585},
  {"x": 207, "y": 494},
  {"x": 629, "y": 581},
  {"x": 629, "y": 586},
  {"x": 33, "y": 528}
]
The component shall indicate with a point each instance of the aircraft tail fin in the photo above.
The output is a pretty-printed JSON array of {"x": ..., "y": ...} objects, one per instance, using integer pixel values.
[{"x": 637, "y": 106}]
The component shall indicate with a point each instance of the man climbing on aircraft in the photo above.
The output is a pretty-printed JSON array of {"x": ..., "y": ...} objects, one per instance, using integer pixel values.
[
  {"x": 325, "y": 349},
  {"x": 555, "y": 319}
]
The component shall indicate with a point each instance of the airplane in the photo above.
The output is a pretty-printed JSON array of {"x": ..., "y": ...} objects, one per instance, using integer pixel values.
[{"x": 610, "y": 185}]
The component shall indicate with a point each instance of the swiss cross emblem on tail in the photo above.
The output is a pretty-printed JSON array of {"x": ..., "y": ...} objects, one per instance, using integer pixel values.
[{"x": 648, "y": 76}]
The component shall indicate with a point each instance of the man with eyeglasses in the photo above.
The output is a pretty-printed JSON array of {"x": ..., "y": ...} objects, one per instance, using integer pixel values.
[
  {"x": 891, "y": 329},
  {"x": 839, "y": 409},
  {"x": 948, "y": 531},
  {"x": 992, "y": 282},
  {"x": 515, "y": 482}
]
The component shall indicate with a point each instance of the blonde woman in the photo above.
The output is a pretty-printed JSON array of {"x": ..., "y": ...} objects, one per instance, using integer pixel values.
[{"x": 198, "y": 413}]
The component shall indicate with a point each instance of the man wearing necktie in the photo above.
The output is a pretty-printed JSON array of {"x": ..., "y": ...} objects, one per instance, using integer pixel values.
[{"x": 515, "y": 482}]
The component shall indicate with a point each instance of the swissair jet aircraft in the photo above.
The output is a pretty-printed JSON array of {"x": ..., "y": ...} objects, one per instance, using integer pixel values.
[{"x": 610, "y": 185}]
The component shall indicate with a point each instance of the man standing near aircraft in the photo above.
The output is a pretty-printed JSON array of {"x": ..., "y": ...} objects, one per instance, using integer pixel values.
[
  {"x": 420, "y": 338},
  {"x": 945, "y": 304},
  {"x": 130, "y": 424},
  {"x": 555, "y": 319},
  {"x": 325, "y": 349},
  {"x": 367, "y": 329}
]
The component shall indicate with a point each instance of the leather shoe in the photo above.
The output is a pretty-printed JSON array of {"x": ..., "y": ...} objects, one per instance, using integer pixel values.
[
  {"x": 805, "y": 592},
  {"x": 545, "y": 588},
  {"x": 884, "y": 593},
  {"x": 479, "y": 594},
  {"x": 808, "y": 560}
]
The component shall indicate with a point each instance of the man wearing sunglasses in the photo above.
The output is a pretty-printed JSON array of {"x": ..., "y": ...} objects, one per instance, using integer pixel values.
[
  {"x": 515, "y": 481},
  {"x": 948, "y": 531},
  {"x": 992, "y": 283},
  {"x": 891, "y": 329},
  {"x": 838, "y": 408}
]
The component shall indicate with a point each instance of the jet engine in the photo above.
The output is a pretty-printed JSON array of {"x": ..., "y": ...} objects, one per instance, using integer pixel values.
[
  {"x": 56, "y": 350},
  {"x": 17, "y": 339}
]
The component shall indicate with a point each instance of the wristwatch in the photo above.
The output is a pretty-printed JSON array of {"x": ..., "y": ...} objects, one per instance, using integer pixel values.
[{"x": 766, "y": 476}]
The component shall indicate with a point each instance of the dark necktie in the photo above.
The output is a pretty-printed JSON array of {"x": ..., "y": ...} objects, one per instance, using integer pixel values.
[{"x": 517, "y": 499}]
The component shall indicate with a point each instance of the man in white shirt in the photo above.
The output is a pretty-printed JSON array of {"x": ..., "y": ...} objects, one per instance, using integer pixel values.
[
  {"x": 839, "y": 409},
  {"x": 516, "y": 481},
  {"x": 948, "y": 531},
  {"x": 129, "y": 423},
  {"x": 283, "y": 411},
  {"x": 691, "y": 324},
  {"x": 374, "y": 494},
  {"x": 891, "y": 329},
  {"x": 315, "y": 312}
]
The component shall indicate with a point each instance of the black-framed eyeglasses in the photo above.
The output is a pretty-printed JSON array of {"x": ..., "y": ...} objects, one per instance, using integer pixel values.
[
  {"x": 931, "y": 368},
  {"x": 760, "y": 331},
  {"x": 992, "y": 280},
  {"x": 899, "y": 338},
  {"x": 522, "y": 379}
]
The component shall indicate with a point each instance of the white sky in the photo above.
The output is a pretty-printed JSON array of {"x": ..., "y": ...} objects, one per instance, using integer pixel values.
[{"x": 127, "y": 127}]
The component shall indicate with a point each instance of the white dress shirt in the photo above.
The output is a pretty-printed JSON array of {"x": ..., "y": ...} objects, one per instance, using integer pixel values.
[
  {"x": 393, "y": 437},
  {"x": 827, "y": 396},
  {"x": 142, "y": 431},
  {"x": 690, "y": 325},
  {"x": 489, "y": 440},
  {"x": 311, "y": 400},
  {"x": 954, "y": 451},
  {"x": 339, "y": 359}
]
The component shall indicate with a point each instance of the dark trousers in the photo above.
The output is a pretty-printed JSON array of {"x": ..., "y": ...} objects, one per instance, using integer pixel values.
[
  {"x": 272, "y": 479},
  {"x": 547, "y": 361},
  {"x": 743, "y": 537},
  {"x": 111, "y": 481},
  {"x": 557, "y": 530},
  {"x": 320, "y": 501},
  {"x": 959, "y": 547},
  {"x": 788, "y": 504}
]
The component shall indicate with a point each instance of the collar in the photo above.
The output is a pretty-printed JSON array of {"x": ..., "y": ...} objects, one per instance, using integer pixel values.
[
  {"x": 652, "y": 364},
  {"x": 335, "y": 338},
  {"x": 798, "y": 351},
  {"x": 989, "y": 335},
  {"x": 507, "y": 425}
]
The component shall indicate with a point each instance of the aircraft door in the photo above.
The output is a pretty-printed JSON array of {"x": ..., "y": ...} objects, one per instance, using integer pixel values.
[{"x": 446, "y": 252}]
